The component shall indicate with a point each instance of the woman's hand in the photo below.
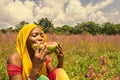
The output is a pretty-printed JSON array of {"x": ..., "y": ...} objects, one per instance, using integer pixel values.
[
  {"x": 38, "y": 60},
  {"x": 60, "y": 55},
  {"x": 40, "y": 55}
]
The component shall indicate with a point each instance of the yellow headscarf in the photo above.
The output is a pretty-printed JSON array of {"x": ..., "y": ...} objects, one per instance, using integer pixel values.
[{"x": 22, "y": 50}]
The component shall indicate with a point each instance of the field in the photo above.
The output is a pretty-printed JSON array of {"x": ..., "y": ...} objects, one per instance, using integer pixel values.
[{"x": 87, "y": 57}]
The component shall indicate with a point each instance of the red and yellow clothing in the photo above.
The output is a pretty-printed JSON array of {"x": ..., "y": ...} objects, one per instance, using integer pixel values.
[{"x": 26, "y": 61}]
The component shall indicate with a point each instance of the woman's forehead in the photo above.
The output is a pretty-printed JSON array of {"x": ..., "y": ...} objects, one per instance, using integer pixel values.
[{"x": 37, "y": 29}]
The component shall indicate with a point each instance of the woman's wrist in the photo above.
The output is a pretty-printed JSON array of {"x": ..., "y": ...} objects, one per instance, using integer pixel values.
[
  {"x": 60, "y": 63},
  {"x": 33, "y": 75},
  {"x": 37, "y": 64},
  {"x": 60, "y": 59},
  {"x": 36, "y": 67},
  {"x": 28, "y": 78}
]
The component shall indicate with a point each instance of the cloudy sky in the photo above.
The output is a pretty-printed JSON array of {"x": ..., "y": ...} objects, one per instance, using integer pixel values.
[{"x": 61, "y": 12}]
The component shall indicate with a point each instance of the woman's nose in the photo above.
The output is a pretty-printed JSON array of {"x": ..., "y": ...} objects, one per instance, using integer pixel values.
[{"x": 40, "y": 38}]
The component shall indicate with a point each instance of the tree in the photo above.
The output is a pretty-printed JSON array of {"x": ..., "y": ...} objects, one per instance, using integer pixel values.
[
  {"x": 89, "y": 27},
  {"x": 10, "y": 29},
  {"x": 78, "y": 29},
  {"x": 117, "y": 28},
  {"x": 3, "y": 30},
  {"x": 67, "y": 29},
  {"x": 64, "y": 30},
  {"x": 46, "y": 24},
  {"x": 92, "y": 28},
  {"x": 108, "y": 28},
  {"x": 20, "y": 25}
]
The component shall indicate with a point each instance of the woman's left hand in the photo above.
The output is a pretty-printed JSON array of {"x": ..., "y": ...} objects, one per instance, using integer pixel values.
[
  {"x": 60, "y": 55},
  {"x": 59, "y": 52}
]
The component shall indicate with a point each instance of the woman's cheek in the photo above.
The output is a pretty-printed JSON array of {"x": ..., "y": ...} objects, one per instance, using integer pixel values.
[{"x": 33, "y": 40}]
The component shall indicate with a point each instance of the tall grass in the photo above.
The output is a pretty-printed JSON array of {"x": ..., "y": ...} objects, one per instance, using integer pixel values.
[
  {"x": 7, "y": 47},
  {"x": 86, "y": 56}
]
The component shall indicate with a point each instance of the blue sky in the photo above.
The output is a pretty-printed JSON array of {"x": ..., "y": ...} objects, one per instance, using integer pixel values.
[{"x": 61, "y": 12}]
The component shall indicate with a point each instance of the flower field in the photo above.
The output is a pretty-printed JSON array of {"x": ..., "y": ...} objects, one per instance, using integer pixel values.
[{"x": 87, "y": 57}]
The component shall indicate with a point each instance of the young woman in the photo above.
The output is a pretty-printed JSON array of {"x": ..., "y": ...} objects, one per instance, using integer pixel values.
[{"x": 29, "y": 64}]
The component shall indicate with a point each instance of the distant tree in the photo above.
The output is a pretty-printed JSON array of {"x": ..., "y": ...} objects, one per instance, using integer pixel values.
[
  {"x": 92, "y": 27},
  {"x": 10, "y": 29},
  {"x": 20, "y": 25},
  {"x": 46, "y": 24},
  {"x": 3, "y": 30},
  {"x": 89, "y": 27},
  {"x": 108, "y": 28},
  {"x": 67, "y": 29},
  {"x": 58, "y": 30},
  {"x": 117, "y": 28},
  {"x": 78, "y": 29},
  {"x": 64, "y": 30}
]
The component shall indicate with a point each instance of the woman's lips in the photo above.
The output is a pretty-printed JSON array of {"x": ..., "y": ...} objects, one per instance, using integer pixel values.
[{"x": 39, "y": 42}]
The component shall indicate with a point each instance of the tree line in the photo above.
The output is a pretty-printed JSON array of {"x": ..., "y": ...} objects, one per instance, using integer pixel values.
[{"x": 84, "y": 27}]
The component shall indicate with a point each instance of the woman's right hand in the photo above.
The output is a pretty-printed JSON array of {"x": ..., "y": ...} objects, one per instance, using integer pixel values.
[
  {"x": 39, "y": 56},
  {"x": 38, "y": 59}
]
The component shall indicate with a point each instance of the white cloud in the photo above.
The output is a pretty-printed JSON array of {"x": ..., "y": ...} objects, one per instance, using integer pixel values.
[
  {"x": 113, "y": 16},
  {"x": 98, "y": 17},
  {"x": 59, "y": 11},
  {"x": 5, "y": 16},
  {"x": 21, "y": 11}
]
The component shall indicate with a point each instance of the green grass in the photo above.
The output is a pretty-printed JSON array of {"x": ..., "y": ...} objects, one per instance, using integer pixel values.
[{"x": 81, "y": 52}]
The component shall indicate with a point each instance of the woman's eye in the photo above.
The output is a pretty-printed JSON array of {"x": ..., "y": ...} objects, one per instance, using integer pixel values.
[
  {"x": 41, "y": 35},
  {"x": 34, "y": 35}
]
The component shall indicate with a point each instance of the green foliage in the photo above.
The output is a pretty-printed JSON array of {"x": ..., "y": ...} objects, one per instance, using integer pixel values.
[
  {"x": 3, "y": 30},
  {"x": 46, "y": 24},
  {"x": 117, "y": 28},
  {"x": 108, "y": 28},
  {"x": 3, "y": 73},
  {"x": 20, "y": 25},
  {"x": 64, "y": 30},
  {"x": 81, "y": 52},
  {"x": 78, "y": 29},
  {"x": 87, "y": 27}
]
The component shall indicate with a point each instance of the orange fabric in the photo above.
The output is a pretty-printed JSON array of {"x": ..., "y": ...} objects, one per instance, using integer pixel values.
[{"x": 58, "y": 74}]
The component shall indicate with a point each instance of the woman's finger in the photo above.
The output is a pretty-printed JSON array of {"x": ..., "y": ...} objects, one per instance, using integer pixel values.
[
  {"x": 37, "y": 51},
  {"x": 43, "y": 51},
  {"x": 60, "y": 49},
  {"x": 59, "y": 46}
]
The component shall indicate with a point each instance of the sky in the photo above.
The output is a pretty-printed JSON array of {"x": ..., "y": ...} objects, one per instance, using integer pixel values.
[{"x": 60, "y": 12}]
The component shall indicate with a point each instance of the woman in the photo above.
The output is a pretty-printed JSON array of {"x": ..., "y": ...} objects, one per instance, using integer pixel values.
[{"x": 29, "y": 64}]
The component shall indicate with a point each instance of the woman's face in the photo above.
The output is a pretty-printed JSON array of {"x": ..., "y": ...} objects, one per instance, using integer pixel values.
[{"x": 36, "y": 36}]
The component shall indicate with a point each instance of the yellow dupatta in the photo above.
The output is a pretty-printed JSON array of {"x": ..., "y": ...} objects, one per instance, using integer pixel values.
[{"x": 22, "y": 50}]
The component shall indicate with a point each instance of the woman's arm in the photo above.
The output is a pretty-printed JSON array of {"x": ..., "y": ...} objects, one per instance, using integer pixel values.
[
  {"x": 14, "y": 59},
  {"x": 37, "y": 61},
  {"x": 60, "y": 56},
  {"x": 60, "y": 61},
  {"x": 49, "y": 65}
]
